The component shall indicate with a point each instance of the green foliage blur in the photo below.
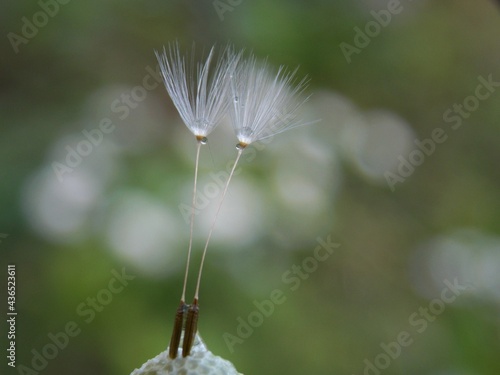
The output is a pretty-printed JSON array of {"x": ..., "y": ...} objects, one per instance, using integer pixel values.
[{"x": 408, "y": 220}]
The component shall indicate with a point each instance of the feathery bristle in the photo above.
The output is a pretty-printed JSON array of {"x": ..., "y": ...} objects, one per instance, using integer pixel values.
[
  {"x": 264, "y": 104},
  {"x": 198, "y": 92}
]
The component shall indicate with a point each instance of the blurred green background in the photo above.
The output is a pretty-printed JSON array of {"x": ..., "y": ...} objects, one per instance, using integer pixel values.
[{"x": 118, "y": 207}]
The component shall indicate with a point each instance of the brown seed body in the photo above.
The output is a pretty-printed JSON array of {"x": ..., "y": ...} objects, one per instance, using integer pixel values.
[
  {"x": 176, "y": 333},
  {"x": 191, "y": 328}
]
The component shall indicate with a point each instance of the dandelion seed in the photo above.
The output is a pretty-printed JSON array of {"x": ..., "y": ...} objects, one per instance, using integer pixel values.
[
  {"x": 199, "y": 94},
  {"x": 261, "y": 105}
]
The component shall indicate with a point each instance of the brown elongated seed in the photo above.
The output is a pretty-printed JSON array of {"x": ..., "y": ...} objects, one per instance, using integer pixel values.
[
  {"x": 177, "y": 331},
  {"x": 191, "y": 328}
]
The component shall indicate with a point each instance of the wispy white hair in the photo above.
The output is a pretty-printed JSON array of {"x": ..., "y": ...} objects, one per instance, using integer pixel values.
[
  {"x": 199, "y": 92},
  {"x": 264, "y": 104}
]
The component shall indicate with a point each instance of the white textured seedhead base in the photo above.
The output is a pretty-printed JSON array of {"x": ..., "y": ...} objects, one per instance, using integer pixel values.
[{"x": 201, "y": 361}]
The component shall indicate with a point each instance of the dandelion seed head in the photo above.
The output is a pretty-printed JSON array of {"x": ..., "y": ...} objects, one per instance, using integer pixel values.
[{"x": 200, "y": 361}]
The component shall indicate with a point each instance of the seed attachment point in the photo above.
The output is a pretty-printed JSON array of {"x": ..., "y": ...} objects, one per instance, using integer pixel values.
[
  {"x": 240, "y": 146},
  {"x": 201, "y": 139}
]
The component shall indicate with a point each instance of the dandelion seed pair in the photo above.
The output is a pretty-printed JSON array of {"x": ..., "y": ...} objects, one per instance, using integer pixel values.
[{"x": 260, "y": 104}]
